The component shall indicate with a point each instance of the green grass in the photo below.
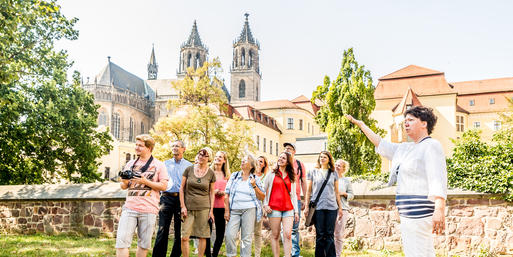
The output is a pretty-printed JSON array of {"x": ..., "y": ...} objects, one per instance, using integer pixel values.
[{"x": 62, "y": 245}]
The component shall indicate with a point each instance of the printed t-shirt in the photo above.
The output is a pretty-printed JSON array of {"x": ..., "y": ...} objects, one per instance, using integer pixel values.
[
  {"x": 221, "y": 186},
  {"x": 280, "y": 196},
  {"x": 197, "y": 190},
  {"x": 140, "y": 197}
]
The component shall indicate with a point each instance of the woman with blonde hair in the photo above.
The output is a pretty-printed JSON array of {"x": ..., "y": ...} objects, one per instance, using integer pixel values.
[
  {"x": 242, "y": 206},
  {"x": 345, "y": 190},
  {"x": 323, "y": 187},
  {"x": 197, "y": 201},
  {"x": 221, "y": 168},
  {"x": 280, "y": 203}
]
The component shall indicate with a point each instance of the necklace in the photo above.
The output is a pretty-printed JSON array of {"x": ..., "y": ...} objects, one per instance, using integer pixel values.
[{"x": 199, "y": 173}]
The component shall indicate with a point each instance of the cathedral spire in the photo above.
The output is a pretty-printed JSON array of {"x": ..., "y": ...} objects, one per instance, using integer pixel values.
[
  {"x": 194, "y": 39},
  {"x": 246, "y": 36},
  {"x": 152, "y": 65}
]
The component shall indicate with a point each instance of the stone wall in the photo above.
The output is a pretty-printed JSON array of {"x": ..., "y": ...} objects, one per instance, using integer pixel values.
[{"x": 474, "y": 220}]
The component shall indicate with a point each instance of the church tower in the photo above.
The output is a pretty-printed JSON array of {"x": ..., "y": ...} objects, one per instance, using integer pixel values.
[
  {"x": 153, "y": 68},
  {"x": 245, "y": 71},
  {"x": 192, "y": 53}
]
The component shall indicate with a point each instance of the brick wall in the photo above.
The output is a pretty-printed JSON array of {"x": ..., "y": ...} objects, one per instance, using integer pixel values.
[{"x": 473, "y": 220}]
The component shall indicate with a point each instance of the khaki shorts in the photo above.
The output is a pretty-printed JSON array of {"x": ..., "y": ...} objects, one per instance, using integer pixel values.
[
  {"x": 196, "y": 224},
  {"x": 128, "y": 222}
]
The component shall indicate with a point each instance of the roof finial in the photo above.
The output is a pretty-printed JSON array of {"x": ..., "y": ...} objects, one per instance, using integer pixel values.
[
  {"x": 246, "y": 14},
  {"x": 108, "y": 58}
]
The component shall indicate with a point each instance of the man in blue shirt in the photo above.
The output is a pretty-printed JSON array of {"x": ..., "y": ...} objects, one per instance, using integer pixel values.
[{"x": 170, "y": 203}]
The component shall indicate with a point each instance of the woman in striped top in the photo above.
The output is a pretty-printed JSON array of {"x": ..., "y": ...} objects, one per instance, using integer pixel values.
[{"x": 419, "y": 169}]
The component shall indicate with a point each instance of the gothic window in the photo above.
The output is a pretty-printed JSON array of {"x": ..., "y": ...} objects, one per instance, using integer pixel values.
[
  {"x": 142, "y": 127},
  {"x": 250, "y": 59},
  {"x": 189, "y": 57},
  {"x": 116, "y": 121},
  {"x": 198, "y": 61},
  {"x": 103, "y": 119},
  {"x": 131, "y": 130},
  {"x": 243, "y": 57},
  {"x": 242, "y": 89}
]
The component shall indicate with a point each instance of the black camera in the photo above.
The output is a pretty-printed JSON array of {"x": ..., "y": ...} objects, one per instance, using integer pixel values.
[{"x": 128, "y": 174}]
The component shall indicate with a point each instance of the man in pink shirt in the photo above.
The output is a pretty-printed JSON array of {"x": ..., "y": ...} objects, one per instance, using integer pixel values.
[
  {"x": 299, "y": 167},
  {"x": 142, "y": 200}
]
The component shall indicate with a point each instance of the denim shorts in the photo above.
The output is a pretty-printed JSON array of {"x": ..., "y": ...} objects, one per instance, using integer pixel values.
[
  {"x": 281, "y": 214},
  {"x": 131, "y": 220}
]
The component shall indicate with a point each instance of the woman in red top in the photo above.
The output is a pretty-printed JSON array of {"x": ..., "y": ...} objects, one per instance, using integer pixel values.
[
  {"x": 221, "y": 169},
  {"x": 280, "y": 203}
]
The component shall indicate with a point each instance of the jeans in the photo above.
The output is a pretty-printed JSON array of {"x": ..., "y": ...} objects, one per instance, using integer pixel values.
[
  {"x": 295, "y": 233},
  {"x": 170, "y": 208},
  {"x": 243, "y": 220},
  {"x": 324, "y": 233}
]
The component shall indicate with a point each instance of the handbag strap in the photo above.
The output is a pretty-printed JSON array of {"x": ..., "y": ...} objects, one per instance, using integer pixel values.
[
  {"x": 323, "y": 186},
  {"x": 279, "y": 175}
]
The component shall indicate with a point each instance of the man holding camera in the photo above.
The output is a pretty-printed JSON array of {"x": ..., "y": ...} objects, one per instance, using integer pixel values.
[
  {"x": 170, "y": 203},
  {"x": 144, "y": 178}
]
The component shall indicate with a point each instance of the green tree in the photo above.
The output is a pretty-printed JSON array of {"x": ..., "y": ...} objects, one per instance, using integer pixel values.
[
  {"x": 351, "y": 93},
  {"x": 201, "y": 118},
  {"x": 48, "y": 125},
  {"x": 483, "y": 167}
]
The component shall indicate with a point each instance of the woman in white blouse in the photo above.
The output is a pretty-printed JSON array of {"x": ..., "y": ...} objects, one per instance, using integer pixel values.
[{"x": 420, "y": 171}]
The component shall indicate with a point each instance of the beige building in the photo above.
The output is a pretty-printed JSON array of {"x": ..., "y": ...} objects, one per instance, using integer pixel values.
[
  {"x": 131, "y": 105},
  {"x": 458, "y": 105}
]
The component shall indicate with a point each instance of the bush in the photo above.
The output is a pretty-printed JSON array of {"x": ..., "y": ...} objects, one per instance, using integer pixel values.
[{"x": 483, "y": 167}]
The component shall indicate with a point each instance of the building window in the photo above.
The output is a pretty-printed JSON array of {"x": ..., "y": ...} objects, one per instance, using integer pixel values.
[
  {"x": 308, "y": 127},
  {"x": 127, "y": 158},
  {"x": 142, "y": 127},
  {"x": 116, "y": 121},
  {"x": 477, "y": 124},
  {"x": 103, "y": 119},
  {"x": 300, "y": 124},
  {"x": 242, "y": 89},
  {"x": 107, "y": 173},
  {"x": 270, "y": 146},
  {"x": 265, "y": 146},
  {"x": 492, "y": 100},
  {"x": 460, "y": 123},
  {"x": 496, "y": 125},
  {"x": 258, "y": 143},
  {"x": 131, "y": 130},
  {"x": 290, "y": 123},
  {"x": 276, "y": 149},
  {"x": 472, "y": 102}
]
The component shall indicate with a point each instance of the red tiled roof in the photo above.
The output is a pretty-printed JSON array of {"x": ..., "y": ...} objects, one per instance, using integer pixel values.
[
  {"x": 409, "y": 99},
  {"x": 483, "y": 86},
  {"x": 411, "y": 71}
]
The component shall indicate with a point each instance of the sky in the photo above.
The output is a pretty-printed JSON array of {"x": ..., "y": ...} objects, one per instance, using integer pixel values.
[{"x": 301, "y": 41}]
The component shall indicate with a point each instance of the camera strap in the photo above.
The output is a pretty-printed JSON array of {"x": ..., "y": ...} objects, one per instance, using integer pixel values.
[{"x": 145, "y": 167}]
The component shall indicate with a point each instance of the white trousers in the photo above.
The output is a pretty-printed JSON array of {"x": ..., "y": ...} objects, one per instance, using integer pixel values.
[{"x": 417, "y": 237}]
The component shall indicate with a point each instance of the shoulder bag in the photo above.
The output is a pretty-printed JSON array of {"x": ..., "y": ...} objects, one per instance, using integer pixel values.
[{"x": 309, "y": 221}]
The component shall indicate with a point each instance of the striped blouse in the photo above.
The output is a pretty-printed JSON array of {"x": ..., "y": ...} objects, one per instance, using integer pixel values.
[{"x": 422, "y": 175}]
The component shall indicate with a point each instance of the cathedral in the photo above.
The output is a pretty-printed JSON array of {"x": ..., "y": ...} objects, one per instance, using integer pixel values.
[{"x": 130, "y": 105}]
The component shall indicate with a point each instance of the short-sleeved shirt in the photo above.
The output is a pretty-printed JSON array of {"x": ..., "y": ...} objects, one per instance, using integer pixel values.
[
  {"x": 197, "y": 190},
  {"x": 328, "y": 200},
  {"x": 301, "y": 176},
  {"x": 175, "y": 171},
  {"x": 140, "y": 197},
  {"x": 221, "y": 186},
  {"x": 280, "y": 194}
]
